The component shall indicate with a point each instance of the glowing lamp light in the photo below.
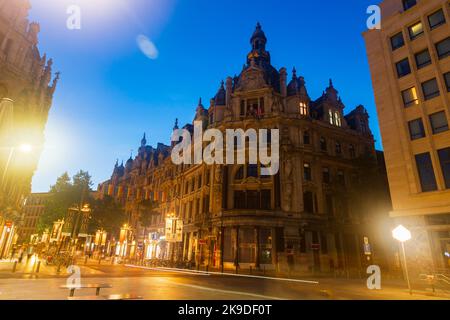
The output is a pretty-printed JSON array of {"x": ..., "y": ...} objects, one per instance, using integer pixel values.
[
  {"x": 25, "y": 148},
  {"x": 401, "y": 234}
]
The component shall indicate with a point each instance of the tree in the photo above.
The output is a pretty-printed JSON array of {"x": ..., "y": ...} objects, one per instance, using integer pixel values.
[
  {"x": 65, "y": 193},
  {"x": 108, "y": 215},
  {"x": 147, "y": 209}
]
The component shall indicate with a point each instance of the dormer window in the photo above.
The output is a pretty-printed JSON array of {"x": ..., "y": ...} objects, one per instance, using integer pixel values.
[
  {"x": 330, "y": 116},
  {"x": 334, "y": 118},
  {"x": 337, "y": 119},
  {"x": 303, "y": 109}
]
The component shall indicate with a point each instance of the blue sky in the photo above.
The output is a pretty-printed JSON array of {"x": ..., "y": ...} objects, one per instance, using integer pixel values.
[{"x": 110, "y": 93}]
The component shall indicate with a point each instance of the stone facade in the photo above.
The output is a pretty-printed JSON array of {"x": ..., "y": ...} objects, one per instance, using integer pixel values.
[
  {"x": 32, "y": 210},
  {"x": 308, "y": 217},
  {"x": 26, "y": 79},
  {"x": 410, "y": 70}
]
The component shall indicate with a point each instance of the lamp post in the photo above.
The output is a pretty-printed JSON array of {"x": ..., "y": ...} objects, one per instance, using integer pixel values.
[
  {"x": 402, "y": 235},
  {"x": 23, "y": 148}
]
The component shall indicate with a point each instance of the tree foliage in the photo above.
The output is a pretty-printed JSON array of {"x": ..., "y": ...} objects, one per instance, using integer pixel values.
[
  {"x": 108, "y": 215},
  {"x": 65, "y": 193}
]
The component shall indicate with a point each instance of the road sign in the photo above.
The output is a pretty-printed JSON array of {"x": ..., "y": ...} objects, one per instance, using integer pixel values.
[{"x": 367, "y": 247}]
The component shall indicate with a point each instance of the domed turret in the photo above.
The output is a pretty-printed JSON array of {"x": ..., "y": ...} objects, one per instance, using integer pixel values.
[
  {"x": 297, "y": 86},
  {"x": 258, "y": 55},
  {"x": 221, "y": 96}
]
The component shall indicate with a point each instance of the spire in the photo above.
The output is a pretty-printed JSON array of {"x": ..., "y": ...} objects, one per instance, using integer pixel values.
[
  {"x": 258, "y": 42},
  {"x": 117, "y": 163},
  {"x": 294, "y": 73},
  {"x": 175, "y": 127},
  {"x": 331, "y": 92},
  {"x": 200, "y": 102},
  {"x": 258, "y": 34},
  {"x": 143, "y": 141},
  {"x": 220, "y": 98}
]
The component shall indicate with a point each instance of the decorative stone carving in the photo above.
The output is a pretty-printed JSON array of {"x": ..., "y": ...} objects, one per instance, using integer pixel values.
[{"x": 252, "y": 79}]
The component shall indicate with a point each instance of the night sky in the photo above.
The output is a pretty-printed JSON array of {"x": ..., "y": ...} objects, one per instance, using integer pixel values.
[{"x": 110, "y": 93}]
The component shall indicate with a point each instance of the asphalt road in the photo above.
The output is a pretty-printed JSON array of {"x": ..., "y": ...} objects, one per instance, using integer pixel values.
[{"x": 158, "y": 284}]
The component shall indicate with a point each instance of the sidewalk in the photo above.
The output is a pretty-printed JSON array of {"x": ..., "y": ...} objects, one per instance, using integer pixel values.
[{"x": 38, "y": 268}]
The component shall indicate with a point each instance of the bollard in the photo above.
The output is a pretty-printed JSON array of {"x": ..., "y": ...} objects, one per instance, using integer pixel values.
[
  {"x": 100, "y": 260},
  {"x": 264, "y": 270},
  {"x": 237, "y": 269},
  {"x": 14, "y": 266},
  {"x": 85, "y": 260},
  {"x": 38, "y": 266}
]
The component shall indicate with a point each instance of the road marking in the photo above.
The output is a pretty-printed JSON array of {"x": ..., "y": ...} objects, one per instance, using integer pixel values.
[
  {"x": 168, "y": 270},
  {"x": 260, "y": 296},
  {"x": 222, "y": 274}
]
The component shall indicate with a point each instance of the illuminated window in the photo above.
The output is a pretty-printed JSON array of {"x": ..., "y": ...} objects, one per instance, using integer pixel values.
[
  {"x": 410, "y": 97},
  {"x": 330, "y": 116},
  {"x": 303, "y": 109},
  {"x": 337, "y": 119},
  {"x": 415, "y": 30}
]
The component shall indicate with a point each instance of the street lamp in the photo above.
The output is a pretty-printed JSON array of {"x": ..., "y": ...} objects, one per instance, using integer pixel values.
[
  {"x": 402, "y": 235},
  {"x": 24, "y": 148}
]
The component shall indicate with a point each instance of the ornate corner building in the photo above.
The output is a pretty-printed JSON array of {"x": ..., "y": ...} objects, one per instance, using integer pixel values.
[
  {"x": 310, "y": 216},
  {"x": 26, "y": 79}
]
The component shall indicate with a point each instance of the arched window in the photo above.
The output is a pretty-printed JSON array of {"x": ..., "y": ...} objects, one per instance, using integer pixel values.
[
  {"x": 338, "y": 148},
  {"x": 330, "y": 116},
  {"x": 303, "y": 108},
  {"x": 337, "y": 119},
  {"x": 351, "y": 150},
  {"x": 306, "y": 137},
  {"x": 323, "y": 144}
]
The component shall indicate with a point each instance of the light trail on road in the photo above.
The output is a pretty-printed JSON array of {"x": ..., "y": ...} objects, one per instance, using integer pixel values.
[
  {"x": 241, "y": 293},
  {"x": 222, "y": 274}
]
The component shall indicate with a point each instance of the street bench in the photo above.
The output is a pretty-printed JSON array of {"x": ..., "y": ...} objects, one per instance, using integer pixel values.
[
  {"x": 108, "y": 297},
  {"x": 95, "y": 286}
]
